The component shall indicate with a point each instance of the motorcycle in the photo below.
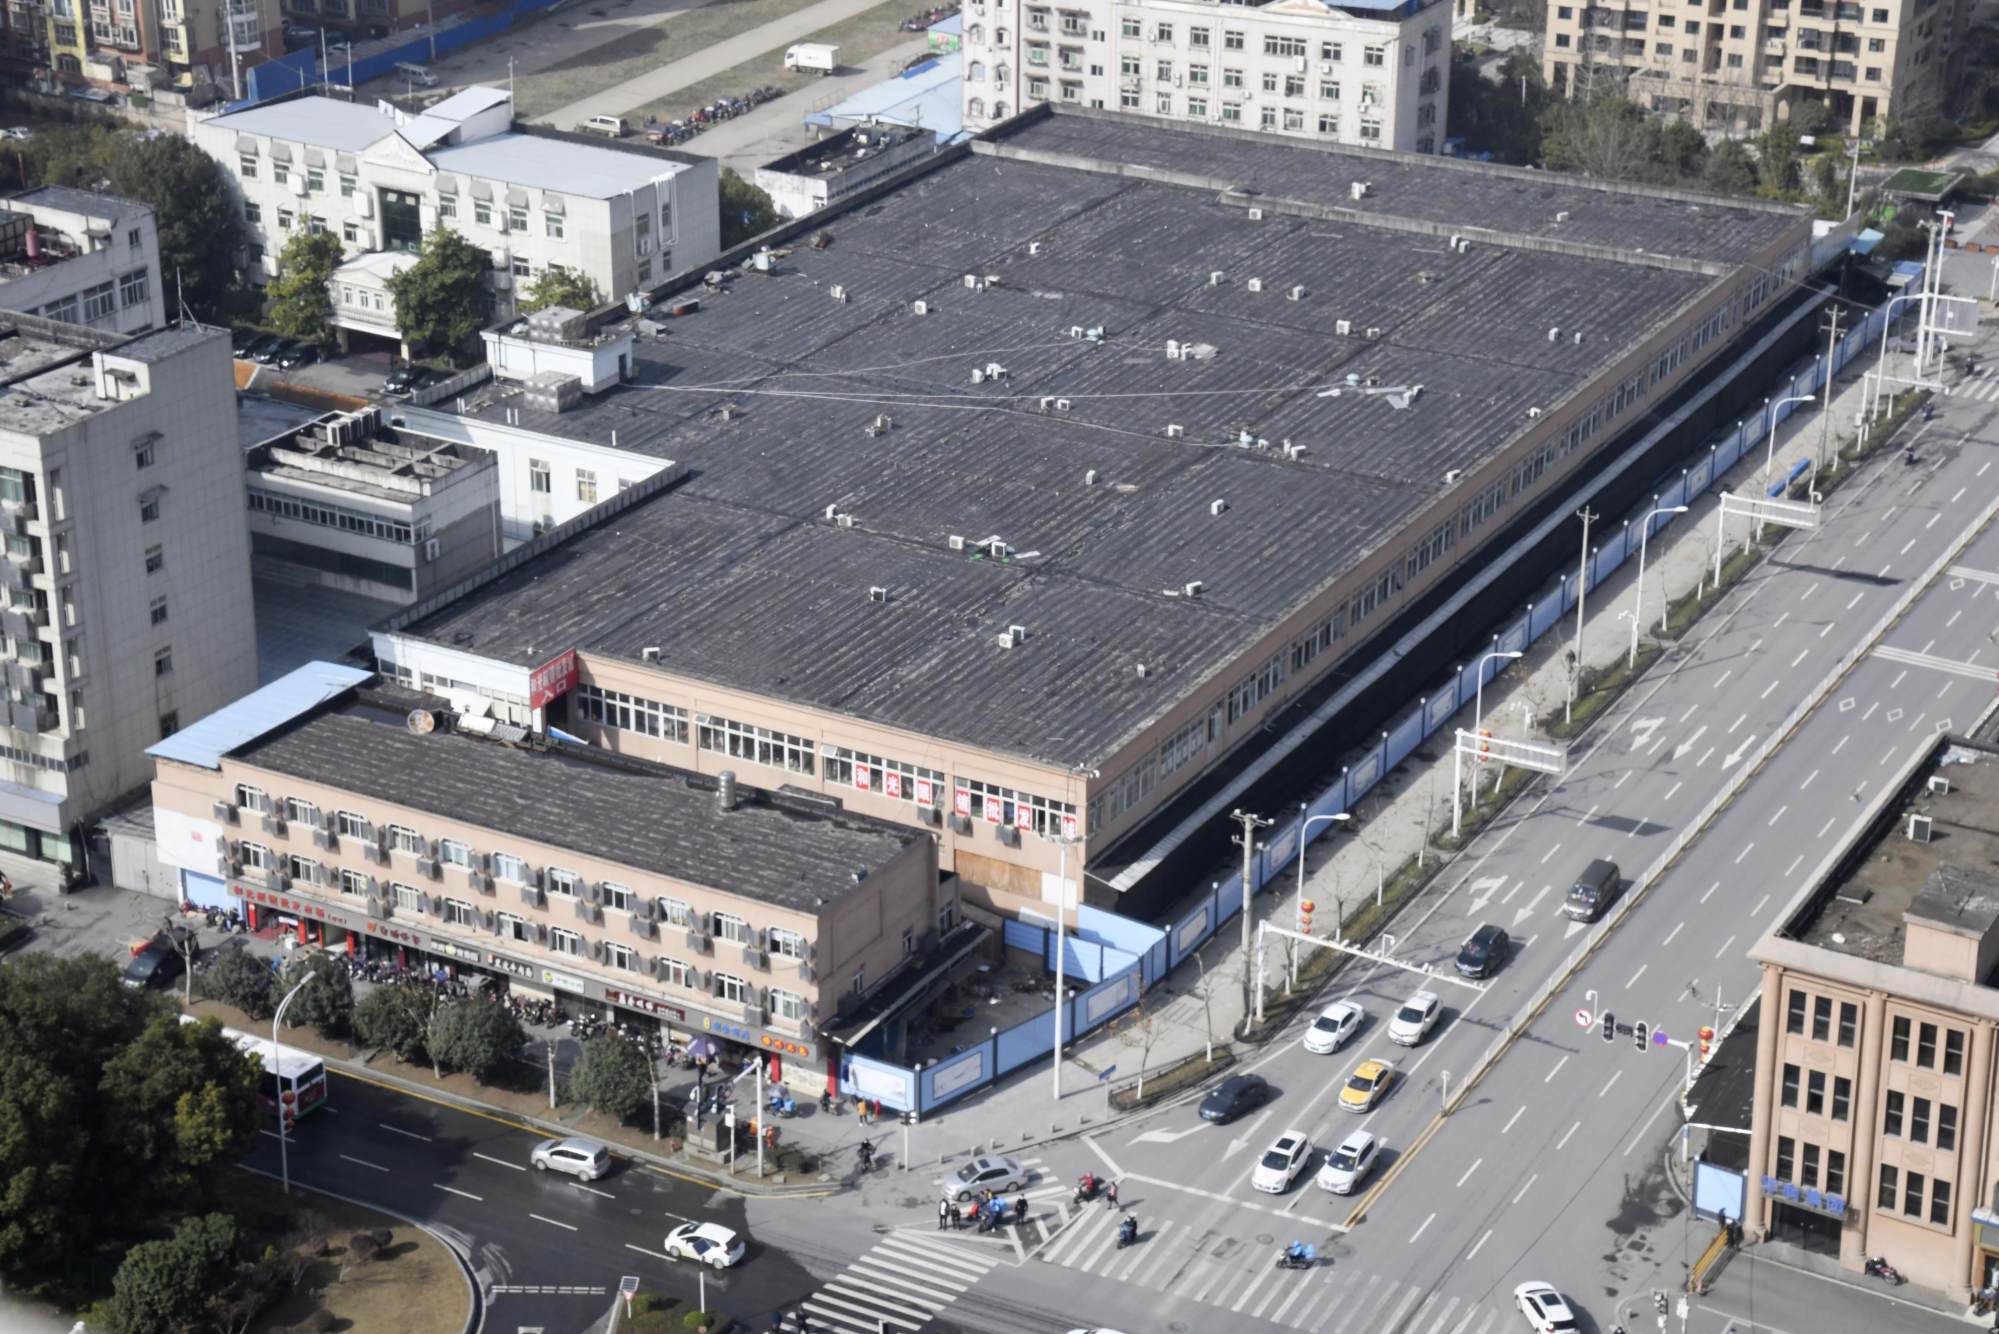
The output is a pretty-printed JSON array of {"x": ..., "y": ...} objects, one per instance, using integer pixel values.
[
  {"x": 1878, "y": 1267},
  {"x": 1086, "y": 1187},
  {"x": 783, "y": 1105},
  {"x": 1127, "y": 1231},
  {"x": 1297, "y": 1255}
]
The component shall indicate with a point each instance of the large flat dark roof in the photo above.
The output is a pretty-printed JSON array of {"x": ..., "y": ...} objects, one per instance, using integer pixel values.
[
  {"x": 1100, "y": 461},
  {"x": 795, "y": 852}
]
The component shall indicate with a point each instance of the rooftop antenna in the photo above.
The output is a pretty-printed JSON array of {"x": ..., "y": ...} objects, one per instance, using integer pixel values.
[{"x": 180, "y": 297}]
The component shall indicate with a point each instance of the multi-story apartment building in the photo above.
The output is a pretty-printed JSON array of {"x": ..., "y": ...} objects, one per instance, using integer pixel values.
[
  {"x": 127, "y": 607},
  {"x": 623, "y": 215},
  {"x": 1361, "y": 73},
  {"x": 80, "y": 257},
  {"x": 370, "y": 818},
  {"x": 1746, "y": 63},
  {"x": 188, "y": 43},
  {"x": 1873, "y": 1130}
]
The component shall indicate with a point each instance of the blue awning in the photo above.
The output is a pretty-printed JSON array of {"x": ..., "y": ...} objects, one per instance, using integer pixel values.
[{"x": 258, "y": 713}]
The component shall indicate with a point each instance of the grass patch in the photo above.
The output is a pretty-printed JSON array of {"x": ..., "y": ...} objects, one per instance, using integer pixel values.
[
  {"x": 1477, "y": 814},
  {"x": 860, "y": 38},
  {"x": 1175, "y": 1078},
  {"x": 1598, "y": 687}
]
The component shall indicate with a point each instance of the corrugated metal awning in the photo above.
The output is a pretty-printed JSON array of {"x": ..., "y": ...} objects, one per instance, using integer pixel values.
[
  {"x": 280, "y": 152},
  {"x": 314, "y": 158},
  {"x": 551, "y": 203},
  {"x": 481, "y": 190},
  {"x": 247, "y": 143},
  {"x": 516, "y": 197},
  {"x": 344, "y": 163},
  {"x": 447, "y": 184}
]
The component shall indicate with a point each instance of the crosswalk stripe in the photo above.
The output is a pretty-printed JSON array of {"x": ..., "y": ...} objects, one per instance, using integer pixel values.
[
  {"x": 1075, "y": 1239},
  {"x": 1422, "y": 1310},
  {"x": 1354, "y": 1308},
  {"x": 1308, "y": 1313},
  {"x": 1138, "y": 1255},
  {"x": 1148, "y": 1270},
  {"x": 1449, "y": 1307},
  {"x": 1486, "y": 1324},
  {"x": 1402, "y": 1308},
  {"x": 873, "y": 1273},
  {"x": 820, "y": 1302},
  {"x": 1100, "y": 1246},
  {"x": 821, "y": 1319},
  {"x": 1471, "y": 1313},
  {"x": 874, "y": 1263},
  {"x": 890, "y": 1301},
  {"x": 1257, "y": 1280},
  {"x": 936, "y": 1255},
  {"x": 1297, "y": 1291}
]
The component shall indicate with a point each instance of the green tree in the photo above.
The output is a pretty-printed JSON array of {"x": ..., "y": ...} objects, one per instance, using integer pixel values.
[
  {"x": 1809, "y": 115},
  {"x": 1682, "y": 152},
  {"x": 301, "y": 304},
  {"x": 201, "y": 233},
  {"x": 444, "y": 300},
  {"x": 557, "y": 286},
  {"x": 1602, "y": 135},
  {"x": 1777, "y": 161},
  {"x": 746, "y": 210},
  {"x": 327, "y": 1003},
  {"x": 611, "y": 1076},
  {"x": 1729, "y": 170},
  {"x": 477, "y": 1039},
  {"x": 175, "y": 1099},
  {"x": 162, "y": 1286},
  {"x": 392, "y": 1019},
  {"x": 240, "y": 979},
  {"x": 1829, "y": 184},
  {"x": 1501, "y": 117}
]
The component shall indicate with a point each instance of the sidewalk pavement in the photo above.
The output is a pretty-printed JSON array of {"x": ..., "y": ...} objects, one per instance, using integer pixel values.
[{"x": 689, "y": 70}]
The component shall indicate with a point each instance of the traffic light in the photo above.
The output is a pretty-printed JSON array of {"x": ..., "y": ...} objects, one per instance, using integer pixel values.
[
  {"x": 1305, "y": 917},
  {"x": 1640, "y": 1034},
  {"x": 1609, "y": 1026},
  {"x": 1707, "y": 1041}
]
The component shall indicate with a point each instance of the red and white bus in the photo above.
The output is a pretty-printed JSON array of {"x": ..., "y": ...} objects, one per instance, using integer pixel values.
[{"x": 294, "y": 1079}]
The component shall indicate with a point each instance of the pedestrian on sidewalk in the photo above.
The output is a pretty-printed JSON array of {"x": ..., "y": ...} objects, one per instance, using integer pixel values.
[
  {"x": 944, "y": 1214},
  {"x": 1110, "y": 1195}
]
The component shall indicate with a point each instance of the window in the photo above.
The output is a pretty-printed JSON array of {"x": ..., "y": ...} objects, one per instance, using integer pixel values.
[
  {"x": 1283, "y": 46},
  {"x": 1886, "y": 1200},
  {"x": 350, "y": 232},
  {"x": 586, "y": 486},
  {"x": 1329, "y": 89},
  {"x": 1926, "y": 1046},
  {"x": 552, "y": 224},
  {"x": 482, "y": 212},
  {"x": 315, "y": 179},
  {"x": 405, "y": 897},
  {"x": 540, "y": 479},
  {"x": 1953, "y": 1051},
  {"x": 253, "y": 214},
  {"x": 1842, "y": 1098},
  {"x": 163, "y": 662},
  {"x": 1787, "y": 1158},
  {"x": 1164, "y": 73},
  {"x": 453, "y": 853},
  {"x": 732, "y": 988},
  {"x": 1891, "y": 1114},
  {"x": 1815, "y": 1093},
  {"x": 787, "y": 944},
  {"x": 1197, "y": 108},
  {"x": 1269, "y": 82},
  {"x": 1329, "y": 125},
  {"x": 1946, "y": 1128},
  {"x": 1198, "y": 38},
  {"x": 512, "y": 927},
  {"x": 457, "y": 912},
  {"x": 1822, "y": 1019},
  {"x": 1332, "y": 51},
  {"x": 732, "y": 929},
  {"x": 630, "y": 713},
  {"x": 1231, "y": 78},
  {"x": 158, "y": 611},
  {"x": 1375, "y": 55},
  {"x": 560, "y": 882},
  {"x": 301, "y": 812},
  {"x": 1898, "y": 1040},
  {"x": 281, "y": 173},
  {"x": 564, "y": 941},
  {"x": 1789, "y": 1097},
  {"x": 1919, "y": 1120},
  {"x": 784, "y": 1005},
  {"x": 1808, "y": 1167},
  {"x": 1231, "y": 113},
  {"x": 616, "y": 896},
  {"x": 675, "y": 913},
  {"x": 134, "y": 288},
  {"x": 760, "y": 744},
  {"x": 155, "y": 560},
  {"x": 1128, "y": 100},
  {"x": 1162, "y": 32},
  {"x": 621, "y": 956},
  {"x": 1849, "y": 1022},
  {"x": 149, "y": 509},
  {"x": 404, "y": 839},
  {"x": 285, "y": 219},
  {"x": 1294, "y": 85},
  {"x": 354, "y": 884},
  {"x": 517, "y": 218},
  {"x": 1835, "y": 1172},
  {"x": 246, "y": 166},
  {"x": 673, "y": 971},
  {"x": 1163, "y": 104},
  {"x": 447, "y": 206},
  {"x": 254, "y": 856},
  {"x": 1232, "y": 40},
  {"x": 1940, "y": 1202},
  {"x": 347, "y": 186},
  {"x": 508, "y": 867},
  {"x": 350, "y": 825},
  {"x": 303, "y": 870},
  {"x": 1912, "y": 1194}
]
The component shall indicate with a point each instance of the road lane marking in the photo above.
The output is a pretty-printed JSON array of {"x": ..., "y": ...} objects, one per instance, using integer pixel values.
[
  {"x": 552, "y": 1223},
  {"x": 1803, "y": 653},
  {"x": 1856, "y": 601},
  {"x": 1587, "y": 814},
  {"x": 1523, "y": 1190},
  {"x": 1549, "y": 853},
  {"x": 594, "y": 1191},
  {"x": 1511, "y": 1119},
  {"x": 1622, "y": 779},
  {"x": 1563, "y": 1142},
  {"x": 1646, "y": 1129},
  {"x": 1793, "y": 866},
  {"x": 1772, "y": 686},
  {"x": 1474, "y": 1249},
  {"x": 362, "y": 1162},
  {"x": 1692, "y": 709},
  {"x": 1468, "y": 1171},
  {"x": 1724, "y": 947},
  {"x": 1549, "y": 1078},
  {"x": 1828, "y": 629},
  {"x": 643, "y": 1251},
  {"x": 1772, "y": 824},
  {"x": 501, "y": 1161},
  {"x": 1706, "y": 755},
  {"x": 1614, "y": 1077},
  {"x": 1744, "y": 853},
  {"x": 1419, "y": 1232},
  {"x": 1757, "y": 911},
  {"x": 1808, "y": 780},
  {"x": 395, "y": 1131},
  {"x": 1675, "y": 931},
  {"x": 1737, "y": 723},
  {"x": 1635, "y": 976},
  {"x": 1710, "y": 890},
  {"x": 1671, "y": 790},
  {"x": 1780, "y": 620},
  {"x": 455, "y": 1191}
]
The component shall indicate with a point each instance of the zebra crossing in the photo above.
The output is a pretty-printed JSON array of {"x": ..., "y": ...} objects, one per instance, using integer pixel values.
[
  {"x": 1186, "y": 1263},
  {"x": 901, "y": 1283},
  {"x": 1983, "y": 387}
]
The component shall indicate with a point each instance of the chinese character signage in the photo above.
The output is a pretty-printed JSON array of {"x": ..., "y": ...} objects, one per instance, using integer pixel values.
[
  {"x": 861, "y": 775},
  {"x": 1023, "y": 815},
  {"x": 552, "y": 679},
  {"x": 925, "y": 794},
  {"x": 964, "y": 800},
  {"x": 892, "y": 784}
]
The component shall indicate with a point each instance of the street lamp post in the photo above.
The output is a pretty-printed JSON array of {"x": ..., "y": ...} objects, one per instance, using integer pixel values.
[
  {"x": 1305, "y": 823},
  {"x": 1638, "y": 595},
  {"x": 1478, "y": 705},
  {"x": 1061, "y": 947},
  {"x": 278, "y": 1056}
]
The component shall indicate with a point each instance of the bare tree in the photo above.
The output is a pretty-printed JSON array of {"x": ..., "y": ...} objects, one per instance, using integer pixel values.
[
  {"x": 1207, "y": 1011},
  {"x": 1139, "y": 1028}
]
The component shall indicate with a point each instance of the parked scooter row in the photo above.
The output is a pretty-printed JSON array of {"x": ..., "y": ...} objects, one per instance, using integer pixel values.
[{"x": 726, "y": 108}]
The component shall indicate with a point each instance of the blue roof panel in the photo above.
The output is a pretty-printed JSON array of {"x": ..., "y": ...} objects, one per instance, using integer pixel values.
[{"x": 257, "y": 714}]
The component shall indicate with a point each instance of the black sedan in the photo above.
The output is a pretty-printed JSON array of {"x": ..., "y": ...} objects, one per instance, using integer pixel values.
[
  {"x": 1234, "y": 1096},
  {"x": 1484, "y": 951},
  {"x": 401, "y": 380},
  {"x": 261, "y": 350},
  {"x": 298, "y": 354}
]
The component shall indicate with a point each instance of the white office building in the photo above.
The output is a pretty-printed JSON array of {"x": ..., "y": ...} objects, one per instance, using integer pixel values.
[
  {"x": 80, "y": 257},
  {"x": 1370, "y": 72},
  {"x": 125, "y": 606},
  {"x": 625, "y": 216}
]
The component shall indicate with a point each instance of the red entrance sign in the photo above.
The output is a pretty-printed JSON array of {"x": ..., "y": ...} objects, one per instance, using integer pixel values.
[{"x": 552, "y": 679}]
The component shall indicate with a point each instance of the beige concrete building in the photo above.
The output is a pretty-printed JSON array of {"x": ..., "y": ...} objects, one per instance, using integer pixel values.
[
  {"x": 1873, "y": 1131},
  {"x": 1746, "y": 64},
  {"x": 81, "y": 257},
  {"x": 370, "y": 818},
  {"x": 125, "y": 604}
]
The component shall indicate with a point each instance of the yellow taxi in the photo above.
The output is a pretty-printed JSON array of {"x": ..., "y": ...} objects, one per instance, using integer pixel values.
[{"x": 1366, "y": 1084}]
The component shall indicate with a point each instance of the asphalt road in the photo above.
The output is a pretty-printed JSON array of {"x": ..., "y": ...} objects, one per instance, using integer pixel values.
[{"x": 1552, "y": 1169}]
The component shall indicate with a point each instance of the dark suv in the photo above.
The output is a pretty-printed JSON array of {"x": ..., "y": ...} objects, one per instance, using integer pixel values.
[
  {"x": 157, "y": 965},
  {"x": 1484, "y": 951}
]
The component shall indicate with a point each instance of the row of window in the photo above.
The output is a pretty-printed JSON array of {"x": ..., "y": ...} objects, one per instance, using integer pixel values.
[
  {"x": 102, "y": 301},
  {"x": 1808, "y": 1089},
  {"x": 1907, "y": 1117},
  {"x": 1926, "y": 1045},
  {"x": 336, "y": 516},
  {"x": 1799, "y": 1164},
  {"x": 1909, "y": 1198}
]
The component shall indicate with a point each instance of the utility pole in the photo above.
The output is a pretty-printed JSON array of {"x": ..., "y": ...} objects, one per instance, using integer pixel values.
[
  {"x": 1825, "y": 406},
  {"x": 1588, "y": 516},
  {"x": 1246, "y": 840}
]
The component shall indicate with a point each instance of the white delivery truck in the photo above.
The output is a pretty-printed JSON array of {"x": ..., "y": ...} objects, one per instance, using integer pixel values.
[{"x": 812, "y": 55}]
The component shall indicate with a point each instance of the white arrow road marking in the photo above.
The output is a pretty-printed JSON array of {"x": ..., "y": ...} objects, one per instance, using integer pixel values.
[
  {"x": 1643, "y": 730},
  {"x": 1569, "y": 931},
  {"x": 1680, "y": 751},
  {"x": 1482, "y": 890},
  {"x": 1165, "y": 1136},
  {"x": 1241, "y": 1142},
  {"x": 1735, "y": 756}
]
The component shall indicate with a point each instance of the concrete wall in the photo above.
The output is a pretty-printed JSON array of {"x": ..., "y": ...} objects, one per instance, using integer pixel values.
[{"x": 137, "y": 308}]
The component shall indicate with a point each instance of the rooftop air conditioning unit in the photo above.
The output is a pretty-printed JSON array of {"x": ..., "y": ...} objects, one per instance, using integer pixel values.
[
  {"x": 1034, "y": 247},
  {"x": 955, "y": 542},
  {"x": 1343, "y": 327},
  {"x": 1217, "y": 507},
  {"x": 837, "y": 292},
  {"x": 1919, "y": 828},
  {"x": 1256, "y": 215},
  {"x": 1359, "y": 189},
  {"x": 1174, "y": 430},
  {"x": 1296, "y": 293},
  {"x": 1255, "y": 284},
  {"x": 919, "y": 307},
  {"x": 1562, "y": 216},
  {"x": 1215, "y": 277}
]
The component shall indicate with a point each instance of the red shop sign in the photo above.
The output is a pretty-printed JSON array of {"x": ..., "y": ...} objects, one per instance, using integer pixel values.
[{"x": 552, "y": 679}]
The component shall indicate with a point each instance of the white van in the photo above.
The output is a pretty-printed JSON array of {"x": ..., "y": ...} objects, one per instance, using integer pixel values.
[
  {"x": 614, "y": 126},
  {"x": 417, "y": 74}
]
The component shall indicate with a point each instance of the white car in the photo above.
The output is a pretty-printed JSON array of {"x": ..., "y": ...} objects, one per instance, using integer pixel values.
[
  {"x": 1413, "y": 1022},
  {"x": 710, "y": 1243},
  {"x": 1281, "y": 1163},
  {"x": 1001, "y": 1176},
  {"x": 1347, "y": 1166},
  {"x": 1335, "y": 1024},
  {"x": 583, "y": 1158},
  {"x": 1544, "y": 1308},
  {"x": 18, "y": 133}
]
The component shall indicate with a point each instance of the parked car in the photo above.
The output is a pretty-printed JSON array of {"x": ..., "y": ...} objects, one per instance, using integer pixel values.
[
  {"x": 299, "y": 34},
  {"x": 425, "y": 379},
  {"x": 402, "y": 379},
  {"x": 611, "y": 126},
  {"x": 710, "y": 1243},
  {"x": 998, "y": 1175},
  {"x": 585, "y": 1159},
  {"x": 1335, "y": 1024},
  {"x": 1281, "y": 1163},
  {"x": 240, "y": 340},
  {"x": 263, "y": 348},
  {"x": 1348, "y": 1165},
  {"x": 1484, "y": 951},
  {"x": 157, "y": 965},
  {"x": 1234, "y": 1096},
  {"x": 1544, "y": 1308},
  {"x": 1364, "y": 1087},
  {"x": 298, "y": 354},
  {"x": 1413, "y": 1022},
  {"x": 20, "y": 133}
]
